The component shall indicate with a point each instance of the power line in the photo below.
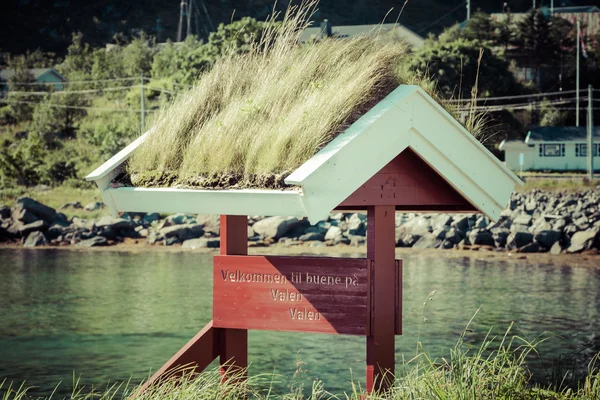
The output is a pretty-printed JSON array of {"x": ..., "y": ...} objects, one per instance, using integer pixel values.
[
  {"x": 442, "y": 17},
  {"x": 518, "y": 106},
  {"x": 74, "y": 107},
  {"x": 89, "y": 91},
  {"x": 520, "y": 96},
  {"x": 72, "y": 82}
]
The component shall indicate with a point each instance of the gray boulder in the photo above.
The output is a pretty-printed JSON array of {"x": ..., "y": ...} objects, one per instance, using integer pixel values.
[
  {"x": 93, "y": 206},
  {"x": 357, "y": 240},
  {"x": 583, "y": 240},
  {"x": 71, "y": 204},
  {"x": 336, "y": 217},
  {"x": 201, "y": 243},
  {"x": 532, "y": 247},
  {"x": 25, "y": 230},
  {"x": 5, "y": 212},
  {"x": 333, "y": 233},
  {"x": 211, "y": 223},
  {"x": 582, "y": 223},
  {"x": 183, "y": 232},
  {"x": 310, "y": 236},
  {"x": 93, "y": 242},
  {"x": 35, "y": 239},
  {"x": 356, "y": 225},
  {"x": 428, "y": 241},
  {"x": 341, "y": 240},
  {"x": 148, "y": 219},
  {"x": 38, "y": 209},
  {"x": 57, "y": 230},
  {"x": 170, "y": 241},
  {"x": 82, "y": 223},
  {"x": 114, "y": 223},
  {"x": 481, "y": 237},
  {"x": 275, "y": 227},
  {"x": 556, "y": 248},
  {"x": 180, "y": 219},
  {"x": 409, "y": 240},
  {"x": 462, "y": 223},
  {"x": 523, "y": 219},
  {"x": 453, "y": 236},
  {"x": 500, "y": 235},
  {"x": 440, "y": 221},
  {"x": 516, "y": 240},
  {"x": 547, "y": 238},
  {"x": 23, "y": 216},
  {"x": 482, "y": 222},
  {"x": 154, "y": 237},
  {"x": 447, "y": 244}
]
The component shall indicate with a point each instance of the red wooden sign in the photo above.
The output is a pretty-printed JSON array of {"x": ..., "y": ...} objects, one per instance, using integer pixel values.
[{"x": 305, "y": 294}]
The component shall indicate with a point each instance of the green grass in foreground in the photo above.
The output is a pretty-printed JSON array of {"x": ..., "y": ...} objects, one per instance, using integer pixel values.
[{"x": 469, "y": 373}]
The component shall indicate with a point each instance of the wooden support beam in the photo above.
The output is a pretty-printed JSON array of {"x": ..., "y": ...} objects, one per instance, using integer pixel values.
[
  {"x": 233, "y": 342},
  {"x": 381, "y": 246},
  {"x": 198, "y": 353}
]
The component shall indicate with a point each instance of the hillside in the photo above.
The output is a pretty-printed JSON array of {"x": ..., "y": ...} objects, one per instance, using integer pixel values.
[{"x": 48, "y": 24}]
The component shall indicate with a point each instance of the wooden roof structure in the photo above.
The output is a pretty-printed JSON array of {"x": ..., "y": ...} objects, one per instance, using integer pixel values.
[{"x": 407, "y": 151}]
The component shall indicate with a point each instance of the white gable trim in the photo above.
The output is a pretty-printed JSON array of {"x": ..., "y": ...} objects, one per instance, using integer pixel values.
[{"x": 408, "y": 117}]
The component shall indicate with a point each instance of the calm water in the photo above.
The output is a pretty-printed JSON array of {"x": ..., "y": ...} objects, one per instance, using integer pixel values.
[{"x": 108, "y": 316}]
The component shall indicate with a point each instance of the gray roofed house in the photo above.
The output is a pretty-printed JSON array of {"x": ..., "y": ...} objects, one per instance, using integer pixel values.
[
  {"x": 398, "y": 31},
  {"x": 560, "y": 134},
  {"x": 552, "y": 148},
  {"x": 41, "y": 75}
]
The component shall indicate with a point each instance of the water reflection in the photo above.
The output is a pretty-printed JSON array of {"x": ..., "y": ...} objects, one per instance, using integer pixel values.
[{"x": 114, "y": 315}]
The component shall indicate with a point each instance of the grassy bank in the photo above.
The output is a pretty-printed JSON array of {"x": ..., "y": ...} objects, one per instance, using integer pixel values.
[
  {"x": 55, "y": 197},
  {"x": 494, "y": 370}
]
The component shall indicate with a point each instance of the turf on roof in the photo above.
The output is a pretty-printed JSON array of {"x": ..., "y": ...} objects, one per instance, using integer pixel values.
[{"x": 254, "y": 118}]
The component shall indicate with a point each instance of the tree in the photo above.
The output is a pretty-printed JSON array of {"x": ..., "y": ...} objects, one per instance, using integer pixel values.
[
  {"x": 454, "y": 65},
  {"x": 78, "y": 61},
  {"x": 534, "y": 40},
  {"x": 137, "y": 56},
  {"x": 56, "y": 117},
  {"x": 480, "y": 27},
  {"x": 19, "y": 84}
]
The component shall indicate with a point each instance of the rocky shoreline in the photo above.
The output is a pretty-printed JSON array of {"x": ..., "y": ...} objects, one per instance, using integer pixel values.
[{"x": 535, "y": 222}]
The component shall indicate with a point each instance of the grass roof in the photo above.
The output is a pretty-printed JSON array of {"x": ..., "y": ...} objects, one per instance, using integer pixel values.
[{"x": 255, "y": 117}]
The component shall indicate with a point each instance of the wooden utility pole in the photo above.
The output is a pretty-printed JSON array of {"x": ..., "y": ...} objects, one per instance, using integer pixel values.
[
  {"x": 189, "y": 18},
  {"x": 590, "y": 134},
  {"x": 143, "y": 106},
  {"x": 180, "y": 27},
  {"x": 577, "y": 75},
  {"x": 468, "y": 10}
]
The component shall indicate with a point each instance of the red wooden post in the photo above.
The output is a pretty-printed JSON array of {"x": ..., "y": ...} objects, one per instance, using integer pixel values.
[
  {"x": 233, "y": 342},
  {"x": 381, "y": 246}
]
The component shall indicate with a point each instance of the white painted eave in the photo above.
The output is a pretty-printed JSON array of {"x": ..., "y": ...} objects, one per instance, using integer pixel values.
[{"x": 191, "y": 201}]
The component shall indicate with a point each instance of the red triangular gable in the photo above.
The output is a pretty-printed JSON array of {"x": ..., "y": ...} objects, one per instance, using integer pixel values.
[{"x": 409, "y": 183}]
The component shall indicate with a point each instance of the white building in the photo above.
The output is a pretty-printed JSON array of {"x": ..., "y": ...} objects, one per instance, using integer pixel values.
[{"x": 552, "y": 148}]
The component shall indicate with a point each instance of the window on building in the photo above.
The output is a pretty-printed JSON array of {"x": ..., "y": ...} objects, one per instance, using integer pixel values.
[
  {"x": 581, "y": 149},
  {"x": 552, "y": 150}
]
